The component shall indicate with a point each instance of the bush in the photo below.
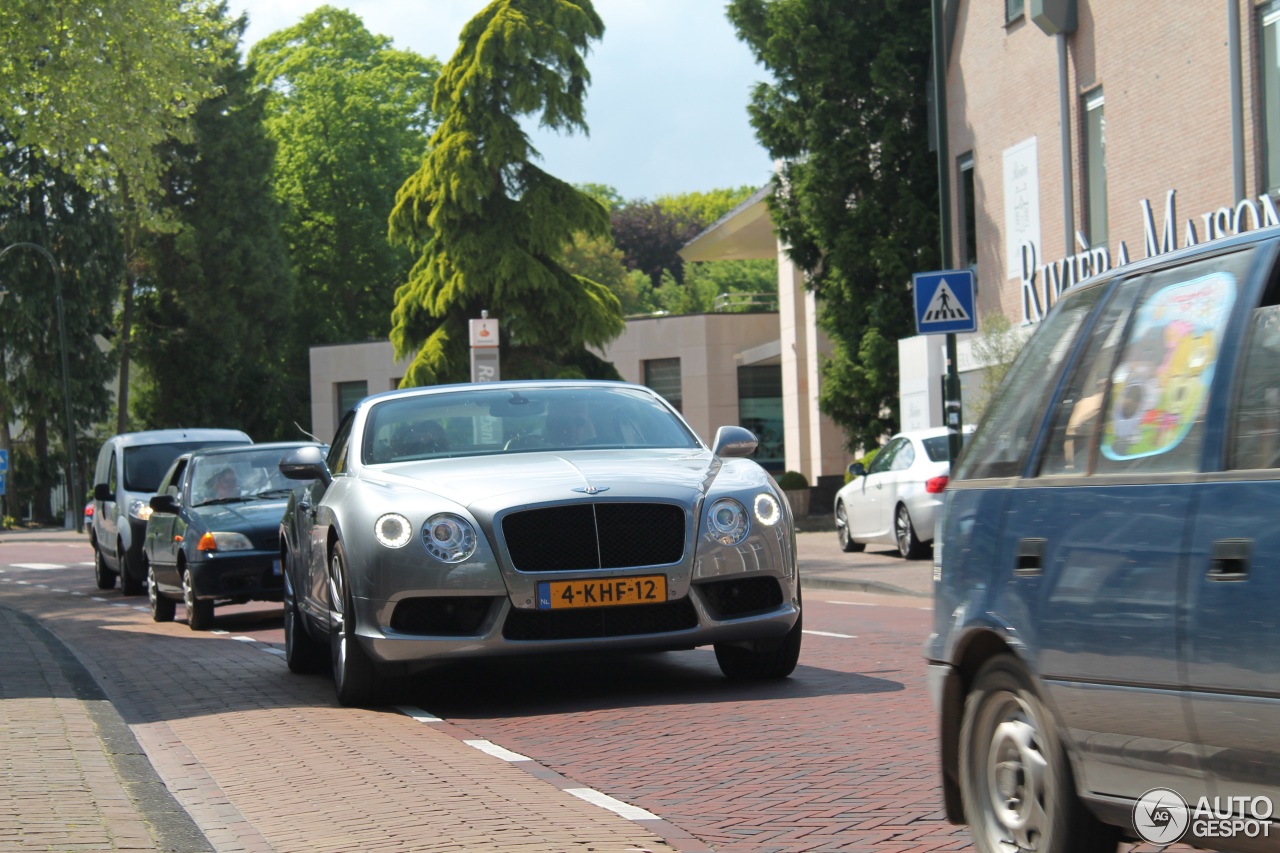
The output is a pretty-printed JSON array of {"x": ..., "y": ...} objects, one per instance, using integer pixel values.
[{"x": 791, "y": 481}]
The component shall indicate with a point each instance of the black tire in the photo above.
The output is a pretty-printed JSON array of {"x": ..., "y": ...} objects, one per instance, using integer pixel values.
[
  {"x": 199, "y": 610},
  {"x": 762, "y": 660},
  {"x": 904, "y": 533},
  {"x": 102, "y": 576},
  {"x": 1015, "y": 779},
  {"x": 842, "y": 531},
  {"x": 301, "y": 652},
  {"x": 130, "y": 583},
  {"x": 355, "y": 676},
  {"x": 163, "y": 608}
]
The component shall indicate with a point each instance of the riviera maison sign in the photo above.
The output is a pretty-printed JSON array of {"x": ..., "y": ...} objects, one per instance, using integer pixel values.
[{"x": 1042, "y": 284}]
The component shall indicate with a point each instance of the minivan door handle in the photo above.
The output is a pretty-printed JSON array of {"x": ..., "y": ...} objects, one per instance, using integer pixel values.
[
  {"x": 1030, "y": 557},
  {"x": 1230, "y": 560}
]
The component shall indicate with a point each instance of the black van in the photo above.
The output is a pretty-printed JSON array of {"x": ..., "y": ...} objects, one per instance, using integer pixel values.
[{"x": 1105, "y": 653}]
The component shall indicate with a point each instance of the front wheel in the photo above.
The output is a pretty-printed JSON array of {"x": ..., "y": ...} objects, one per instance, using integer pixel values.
[
  {"x": 301, "y": 652},
  {"x": 842, "y": 531},
  {"x": 1015, "y": 779},
  {"x": 762, "y": 660},
  {"x": 199, "y": 611},
  {"x": 130, "y": 584},
  {"x": 162, "y": 607},
  {"x": 904, "y": 532},
  {"x": 102, "y": 576},
  {"x": 355, "y": 675}
]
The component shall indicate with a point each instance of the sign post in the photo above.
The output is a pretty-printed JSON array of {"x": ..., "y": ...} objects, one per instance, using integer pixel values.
[
  {"x": 484, "y": 349},
  {"x": 944, "y": 305}
]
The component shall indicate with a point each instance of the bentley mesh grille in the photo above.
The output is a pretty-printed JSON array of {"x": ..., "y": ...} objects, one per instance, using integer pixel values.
[
  {"x": 591, "y": 622},
  {"x": 595, "y": 536}
]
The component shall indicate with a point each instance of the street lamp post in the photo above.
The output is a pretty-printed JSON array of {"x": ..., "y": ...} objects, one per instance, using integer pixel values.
[{"x": 73, "y": 494}]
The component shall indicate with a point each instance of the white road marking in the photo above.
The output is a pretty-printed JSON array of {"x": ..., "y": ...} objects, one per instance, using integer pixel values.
[
  {"x": 418, "y": 714},
  {"x": 219, "y": 631},
  {"x": 605, "y": 801},
  {"x": 830, "y": 634},
  {"x": 869, "y": 604},
  {"x": 76, "y": 592},
  {"x": 59, "y": 590},
  {"x": 23, "y": 583},
  {"x": 272, "y": 650},
  {"x": 142, "y": 609},
  {"x": 245, "y": 639},
  {"x": 42, "y": 586},
  {"x": 96, "y": 598},
  {"x": 496, "y": 751},
  {"x": 117, "y": 603},
  {"x": 37, "y": 566}
]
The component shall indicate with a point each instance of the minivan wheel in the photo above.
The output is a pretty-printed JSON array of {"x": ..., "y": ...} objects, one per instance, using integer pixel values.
[
  {"x": 842, "y": 531},
  {"x": 1015, "y": 779},
  {"x": 162, "y": 607},
  {"x": 102, "y": 576},
  {"x": 909, "y": 545},
  {"x": 355, "y": 675},
  {"x": 130, "y": 584}
]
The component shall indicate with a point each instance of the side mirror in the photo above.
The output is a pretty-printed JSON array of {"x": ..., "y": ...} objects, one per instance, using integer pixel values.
[
  {"x": 856, "y": 469},
  {"x": 164, "y": 503},
  {"x": 305, "y": 463},
  {"x": 101, "y": 492},
  {"x": 734, "y": 441}
]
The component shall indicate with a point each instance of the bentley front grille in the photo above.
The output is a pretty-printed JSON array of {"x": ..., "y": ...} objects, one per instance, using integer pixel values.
[{"x": 595, "y": 536}]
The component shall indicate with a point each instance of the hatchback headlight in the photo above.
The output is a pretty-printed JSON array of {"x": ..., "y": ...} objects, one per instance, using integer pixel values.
[
  {"x": 449, "y": 538},
  {"x": 140, "y": 510},
  {"x": 727, "y": 521},
  {"x": 392, "y": 530},
  {"x": 224, "y": 541}
]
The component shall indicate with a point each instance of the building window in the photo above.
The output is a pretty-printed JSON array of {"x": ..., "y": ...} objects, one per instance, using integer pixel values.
[
  {"x": 663, "y": 376},
  {"x": 348, "y": 394},
  {"x": 968, "y": 207},
  {"x": 760, "y": 410},
  {"x": 1013, "y": 11},
  {"x": 1095, "y": 166},
  {"x": 1269, "y": 17}
]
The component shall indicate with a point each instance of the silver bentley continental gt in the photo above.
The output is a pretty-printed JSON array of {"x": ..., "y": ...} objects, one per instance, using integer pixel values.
[{"x": 511, "y": 518}]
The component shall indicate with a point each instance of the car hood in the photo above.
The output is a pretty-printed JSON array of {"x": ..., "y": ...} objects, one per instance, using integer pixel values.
[{"x": 495, "y": 481}]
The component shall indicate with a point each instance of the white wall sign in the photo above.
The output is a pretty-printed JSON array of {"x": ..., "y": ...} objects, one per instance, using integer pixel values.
[{"x": 1021, "y": 204}]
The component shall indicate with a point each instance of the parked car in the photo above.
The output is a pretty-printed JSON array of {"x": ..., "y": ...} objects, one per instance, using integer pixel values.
[
  {"x": 895, "y": 500},
  {"x": 214, "y": 532},
  {"x": 126, "y": 475},
  {"x": 1107, "y": 605},
  {"x": 517, "y": 518}
]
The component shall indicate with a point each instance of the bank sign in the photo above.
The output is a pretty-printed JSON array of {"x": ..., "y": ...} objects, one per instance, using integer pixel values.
[{"x": 1042, "y": 284}]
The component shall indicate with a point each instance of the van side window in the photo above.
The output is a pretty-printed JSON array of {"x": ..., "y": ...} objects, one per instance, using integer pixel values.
[
  {"x": 1072, "y": 441},
  {"x": 999, "y": 447},
  {"x": 111, "y": 476},
  {"x": 1159, "y": 388},
  {"x": 1256, "y": 441}
]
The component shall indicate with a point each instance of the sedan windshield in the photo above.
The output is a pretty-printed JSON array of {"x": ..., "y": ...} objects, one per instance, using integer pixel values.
[{"x": 506, "y": 420}]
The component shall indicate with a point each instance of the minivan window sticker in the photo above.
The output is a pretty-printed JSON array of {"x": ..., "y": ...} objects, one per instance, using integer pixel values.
[{"x": 1161, "y": 385}]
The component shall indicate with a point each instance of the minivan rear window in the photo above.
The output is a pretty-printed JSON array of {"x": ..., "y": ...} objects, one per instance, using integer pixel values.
[{"x": 999, "y": 447}]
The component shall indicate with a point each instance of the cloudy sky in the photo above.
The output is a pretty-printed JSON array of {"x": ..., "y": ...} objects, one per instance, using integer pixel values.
[{"x": 667, "y": 103}]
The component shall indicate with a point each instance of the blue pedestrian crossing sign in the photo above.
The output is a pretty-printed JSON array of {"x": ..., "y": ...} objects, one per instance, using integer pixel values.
[{"x": 944, "y": 302}]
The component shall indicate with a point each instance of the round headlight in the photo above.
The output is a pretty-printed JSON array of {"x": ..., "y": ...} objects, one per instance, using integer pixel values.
[
  {"x": 449, "y": 538},
  {"x": 727, "y": 521},
  {"x": 140, "y": 510},
  {"x": 767, "y": 510},
  {"x": 392, "y": 530}
]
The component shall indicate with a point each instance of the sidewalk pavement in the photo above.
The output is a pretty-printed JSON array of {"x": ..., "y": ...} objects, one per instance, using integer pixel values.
[{"x": 75, "y": 778}]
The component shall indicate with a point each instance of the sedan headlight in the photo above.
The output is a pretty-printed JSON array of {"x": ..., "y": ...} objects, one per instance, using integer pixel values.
[
  {"x": 140, "y": 510},
  {"x": 767, "y": 509},
  {"x": 392, "y": 530},
  {"x": 224, "y": 542},
  {"x": 727, "y": 521},
  {"x": 449, "y": 538}
]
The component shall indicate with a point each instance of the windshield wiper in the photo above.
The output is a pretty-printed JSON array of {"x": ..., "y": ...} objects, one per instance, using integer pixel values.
[
  {"x": 283, "y": 492},
  {"x": 233, "y": 500}
]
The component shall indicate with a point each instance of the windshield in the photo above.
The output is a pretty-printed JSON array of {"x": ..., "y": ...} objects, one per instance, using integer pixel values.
[
  {"x": 248, "y": 475},
  {"x": 145, "y": 464},
  {"x": 506, "y": 420}
]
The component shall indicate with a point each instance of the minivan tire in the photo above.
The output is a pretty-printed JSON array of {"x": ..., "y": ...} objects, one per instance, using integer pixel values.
[
  {"x": 102, "y": 576},
  {"x": 129, "y": 584},
  {"x": 1006, "y": 729}
]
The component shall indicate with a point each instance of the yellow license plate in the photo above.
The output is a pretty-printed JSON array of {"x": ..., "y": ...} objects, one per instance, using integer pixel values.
[{"x": 602, "y": 592}]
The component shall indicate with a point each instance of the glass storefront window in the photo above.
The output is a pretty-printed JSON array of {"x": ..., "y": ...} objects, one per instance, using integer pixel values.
[
  {"x": 760, "y": 410},
  {"x": 1269, "y": 70},
  {"x": 1095, "y": 166}
]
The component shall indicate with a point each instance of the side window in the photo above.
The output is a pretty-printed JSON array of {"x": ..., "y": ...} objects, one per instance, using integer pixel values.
[
  {"x": 1000, "y": 445},
  {"x": 337, "y": 458},
  {"x": 904, "y": 457},
  {"x": 174, "y": 486},
  {"x": 111, "y": 476},
  {"x": 884, "y": 459},
  {"x": 1256, "y": 428},
  {"x": 1159, "y": 388},
  {"x": 1072, "y": 440}
]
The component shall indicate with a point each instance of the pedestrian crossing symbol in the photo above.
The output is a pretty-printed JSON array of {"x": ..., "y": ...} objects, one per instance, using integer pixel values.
[{"x": 944, "y": 302}]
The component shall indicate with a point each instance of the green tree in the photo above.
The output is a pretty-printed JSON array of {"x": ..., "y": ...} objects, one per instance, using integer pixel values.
[
  {"x": 77, "y": 227},
  {"x": 704, "y": 207},
  {"x": 597, "y": 259},
  {"x": 856, "y": 198},
  {"x": 995, "y": 348},
  {"x": 749, "y": 285},
  {"x": 215, "y": 305},
  {"x": 490, "y": 226}
]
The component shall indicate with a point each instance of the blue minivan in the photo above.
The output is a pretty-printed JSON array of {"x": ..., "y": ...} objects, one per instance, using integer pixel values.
[{"x": 1105, "y": 653}]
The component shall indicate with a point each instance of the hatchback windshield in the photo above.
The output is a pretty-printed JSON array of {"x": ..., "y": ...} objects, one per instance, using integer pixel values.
[
  {"x": 245, "y": 475},
  {"x": 483, "y": 421}
]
